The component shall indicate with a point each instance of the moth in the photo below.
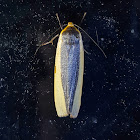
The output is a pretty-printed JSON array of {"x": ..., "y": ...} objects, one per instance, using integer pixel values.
[{"x": 68, "y": 70}]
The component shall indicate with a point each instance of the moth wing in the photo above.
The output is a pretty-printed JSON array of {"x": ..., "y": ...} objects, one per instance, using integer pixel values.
[
  {"x": 59, "y": 95},
  {"x": 58, "y": 89},
  {"x": 78, "y": 91}
]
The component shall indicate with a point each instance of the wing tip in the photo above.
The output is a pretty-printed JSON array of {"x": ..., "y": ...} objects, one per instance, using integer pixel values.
[
  {"x": 62, "y": 115},
  {"x": 73, "y": 117},
  {"x": 66, "y": 115}
]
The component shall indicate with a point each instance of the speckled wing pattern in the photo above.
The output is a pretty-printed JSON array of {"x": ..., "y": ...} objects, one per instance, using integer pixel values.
[
  {"x": 70, "y": 55},
  {"x": 68, "y": 77}
]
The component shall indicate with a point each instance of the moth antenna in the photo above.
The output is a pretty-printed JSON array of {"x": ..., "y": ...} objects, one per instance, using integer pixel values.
[
  {"x": 83, "y": 18},
  {"x": 92, "y": 40},
  {"x": 59, "y": 21},
  {"x": 97, "y": 36}
]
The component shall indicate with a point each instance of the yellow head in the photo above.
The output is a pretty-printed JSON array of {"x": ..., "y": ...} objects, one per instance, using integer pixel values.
[
  {"x": 70, "y": 24},
  {"x": 69, "y": 27}
]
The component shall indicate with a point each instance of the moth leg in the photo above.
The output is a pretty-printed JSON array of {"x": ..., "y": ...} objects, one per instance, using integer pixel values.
[
  {"x": 87, "y": 52},
  {"x": 51, "y": 41}
]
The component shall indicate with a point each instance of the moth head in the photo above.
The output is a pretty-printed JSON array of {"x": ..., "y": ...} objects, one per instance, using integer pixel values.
[{"x": 70, "y": 24}]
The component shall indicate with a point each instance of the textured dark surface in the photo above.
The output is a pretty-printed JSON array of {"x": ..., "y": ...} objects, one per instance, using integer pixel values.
[
  {"x": 70, "y": 55},
  {"x": 110, "y": 102}
]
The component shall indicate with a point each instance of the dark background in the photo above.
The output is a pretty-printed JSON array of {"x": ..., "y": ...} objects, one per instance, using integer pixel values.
[{"x": 110, "y": 107}]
